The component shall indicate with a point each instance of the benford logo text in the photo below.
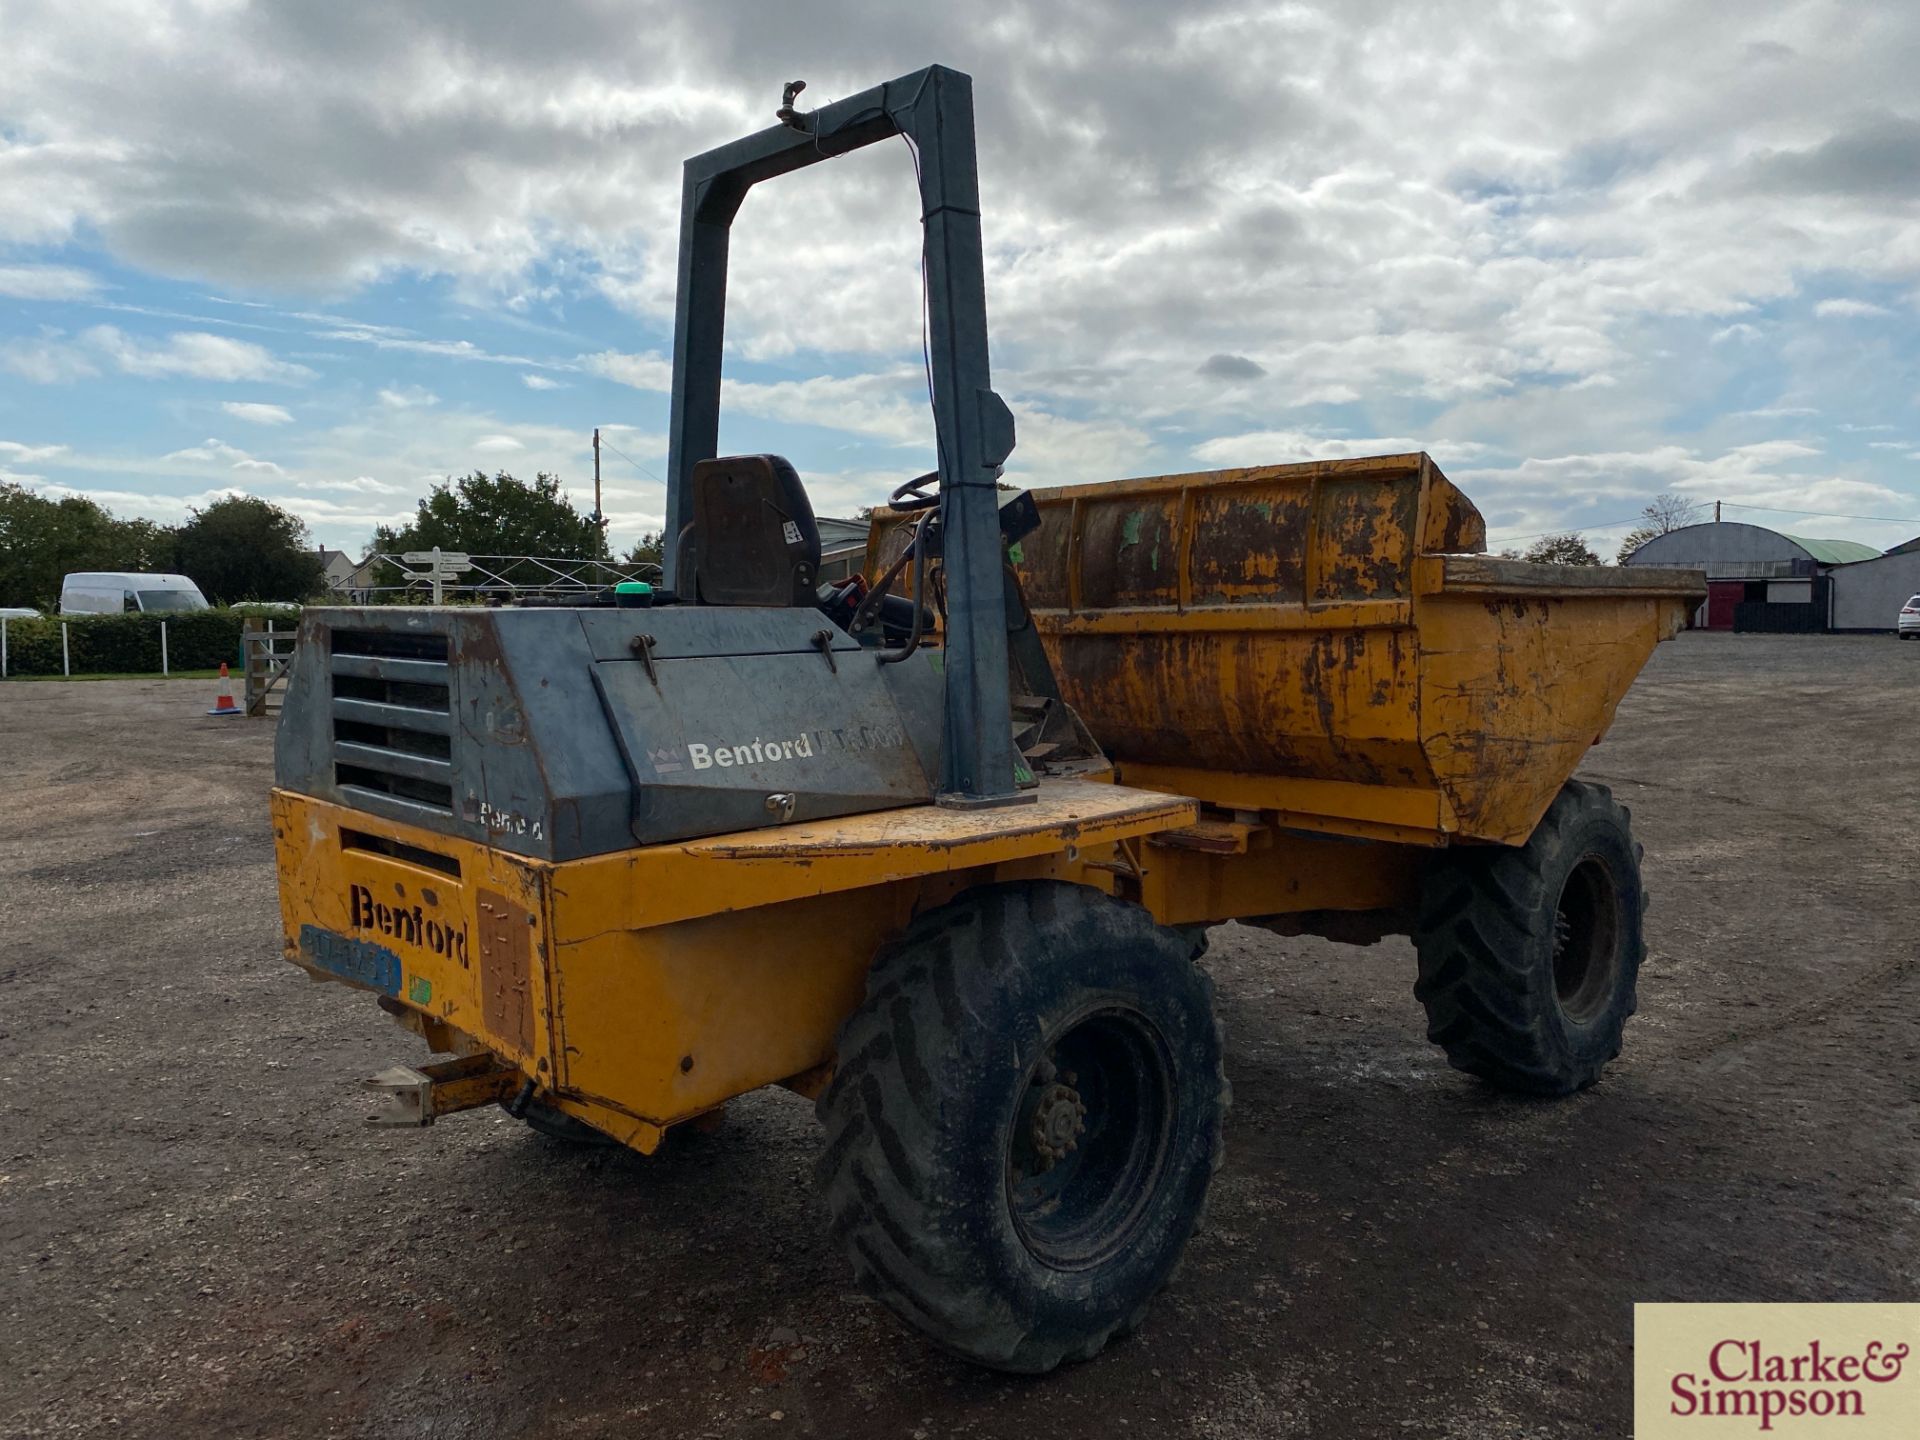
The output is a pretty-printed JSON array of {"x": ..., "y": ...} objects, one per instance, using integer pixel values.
[
  {"x": 411, "y": 927},
  {"x": 705, "y": 757},
  {"x": 845, "y": 740}
]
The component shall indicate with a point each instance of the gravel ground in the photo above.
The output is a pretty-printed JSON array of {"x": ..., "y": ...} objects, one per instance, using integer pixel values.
[{"x": 198, "y": 1238}]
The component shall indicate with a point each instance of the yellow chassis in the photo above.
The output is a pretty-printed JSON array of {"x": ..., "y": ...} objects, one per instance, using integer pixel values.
[{"x": 641, "y": 989}]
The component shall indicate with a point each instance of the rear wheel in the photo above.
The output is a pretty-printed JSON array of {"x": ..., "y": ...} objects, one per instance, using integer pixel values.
[
  {"x": 1529, "y": 955},
  {"x": 1024, "y": 1122}
]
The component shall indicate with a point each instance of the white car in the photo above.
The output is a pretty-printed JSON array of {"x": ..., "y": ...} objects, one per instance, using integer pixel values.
[{"x": 1910, "y": 617}]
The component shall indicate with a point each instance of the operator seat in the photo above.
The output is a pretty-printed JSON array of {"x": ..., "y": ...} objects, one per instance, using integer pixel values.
[{"x": 752, "y": 539}]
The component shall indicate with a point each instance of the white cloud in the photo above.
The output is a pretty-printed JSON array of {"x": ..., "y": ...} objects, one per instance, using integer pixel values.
[
  {"x": 1587, "y": 265},
  {"x": 193, "y": 354},
  {"x": 16, "y": 453},
  {"x": 1276, "y": 447},
  {"x": 49, "y": 361},
  {"x": 165, "y": 506},
  {"x": 1769, "y": 477},
  {"x": 382, "y": 338},
  {"x": 345, "y": 479},
  {"x": 1053, "y": 450},
  {"x": 890, "y": 405},
  {"x": 47, "y": 282},
  {"x": 1848, "y": 310},
  {"x": 408, "y": 397},
  {"x": 642, "y": 372},
  {"x": 496, "y": 445},
  {"x": 887, "y": 405},
  {"x": 359, "y": 485},
  {"x": 218, "y": 452},
  {"x": 206, "y": 450},
  {"x": 258, "y": 414},
  {"x": 541, "y": 382}
]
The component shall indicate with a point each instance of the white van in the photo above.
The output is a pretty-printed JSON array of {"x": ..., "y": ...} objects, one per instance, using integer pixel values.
[{"x": 111, "y": 592}]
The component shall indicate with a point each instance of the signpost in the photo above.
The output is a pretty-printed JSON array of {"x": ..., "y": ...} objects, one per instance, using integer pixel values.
[{"x": 441, "y": 566}]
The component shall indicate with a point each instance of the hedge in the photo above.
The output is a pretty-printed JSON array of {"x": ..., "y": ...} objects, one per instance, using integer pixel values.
[{"x": 126, "y": 644}]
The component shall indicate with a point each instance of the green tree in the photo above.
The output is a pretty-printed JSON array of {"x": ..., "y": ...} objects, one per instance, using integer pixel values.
[
  {"x": 145, "y": 545},
  {"x": 42, "y": 540},
  {"x": 1568, "y": 549},
  {"x": 498, "y": 515},
  {"x": 246, "y": 548},
  {"x": 650, "y": 549}
]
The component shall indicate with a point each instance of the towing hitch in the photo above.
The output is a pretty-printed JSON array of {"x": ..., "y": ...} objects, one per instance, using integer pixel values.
[{"x": 413, "y": 1097}]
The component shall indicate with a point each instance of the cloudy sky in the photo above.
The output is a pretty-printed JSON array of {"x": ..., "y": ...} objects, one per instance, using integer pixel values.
[{"x": 1580, "y": 252}]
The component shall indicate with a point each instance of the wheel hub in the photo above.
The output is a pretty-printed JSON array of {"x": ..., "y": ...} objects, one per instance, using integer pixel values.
[
  {"x": 1059, "y": 1120},
  {"x": 1087, "y": 1147}
]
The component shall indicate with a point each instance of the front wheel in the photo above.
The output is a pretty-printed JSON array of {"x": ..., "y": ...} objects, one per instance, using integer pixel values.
[
  {"x": 1529, "y": 955},
  {"x": 1024, "y": 1122}
]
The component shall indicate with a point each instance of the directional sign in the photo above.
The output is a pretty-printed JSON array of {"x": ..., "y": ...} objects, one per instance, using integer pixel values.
[
  {"x": 448, "y": 560},
  {"x": 441, "y": 565}
]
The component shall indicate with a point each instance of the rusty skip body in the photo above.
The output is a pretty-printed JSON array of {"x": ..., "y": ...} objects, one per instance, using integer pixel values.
[{"x": 1319, "y": 641}]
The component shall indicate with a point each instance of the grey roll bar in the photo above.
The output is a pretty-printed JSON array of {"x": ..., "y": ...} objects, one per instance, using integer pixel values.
[{"x": 973, "y": 428}]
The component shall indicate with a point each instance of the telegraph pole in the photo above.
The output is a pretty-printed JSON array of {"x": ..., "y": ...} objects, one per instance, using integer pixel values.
[{"x": 598, "y": 518}]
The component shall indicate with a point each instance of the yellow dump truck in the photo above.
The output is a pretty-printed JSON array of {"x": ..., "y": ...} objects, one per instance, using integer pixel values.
[
  {"x": 1319, "y": 712},
  {"x": 943, "y": 860}
]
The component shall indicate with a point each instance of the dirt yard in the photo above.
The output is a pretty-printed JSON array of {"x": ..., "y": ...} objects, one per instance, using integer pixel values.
[{"x": 198, "y": 1238}]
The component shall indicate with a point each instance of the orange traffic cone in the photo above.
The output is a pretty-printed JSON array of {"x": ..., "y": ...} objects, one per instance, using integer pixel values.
[{"x": 224, "y": 705}]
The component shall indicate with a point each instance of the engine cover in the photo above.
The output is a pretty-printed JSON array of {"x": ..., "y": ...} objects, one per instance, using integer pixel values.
[{"x": 561, "y": 733}]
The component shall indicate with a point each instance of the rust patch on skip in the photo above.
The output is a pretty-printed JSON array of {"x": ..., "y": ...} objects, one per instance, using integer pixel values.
[
  {"x": 1120, "y": 551},
  {"x": 1364, "y": 538},
  {"x": 1249, "y": 546},
  {"x": 506, "y": 966}
]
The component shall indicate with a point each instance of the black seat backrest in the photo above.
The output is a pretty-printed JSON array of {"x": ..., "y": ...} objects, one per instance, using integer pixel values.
[{"x": 752, "y": 539}]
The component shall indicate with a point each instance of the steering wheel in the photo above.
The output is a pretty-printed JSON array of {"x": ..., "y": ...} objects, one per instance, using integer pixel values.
[{"x": 911, "y": 495}]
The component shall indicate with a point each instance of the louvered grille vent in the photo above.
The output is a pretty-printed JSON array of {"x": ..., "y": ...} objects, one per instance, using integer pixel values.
[{"x": 392, "y": 718}]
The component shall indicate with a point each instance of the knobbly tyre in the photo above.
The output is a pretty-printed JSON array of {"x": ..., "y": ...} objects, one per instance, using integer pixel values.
[{"x": 940, "y": 852}]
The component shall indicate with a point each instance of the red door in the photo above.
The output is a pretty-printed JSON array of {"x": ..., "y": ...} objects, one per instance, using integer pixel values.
[{"x": 1722, "y": 596}]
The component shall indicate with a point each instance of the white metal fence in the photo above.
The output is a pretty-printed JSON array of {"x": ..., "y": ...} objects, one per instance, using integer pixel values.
[
  {"x": 267, "y": 645},
  {"x": 389, "y": 579},
  {"x": 66, "y": 650}
]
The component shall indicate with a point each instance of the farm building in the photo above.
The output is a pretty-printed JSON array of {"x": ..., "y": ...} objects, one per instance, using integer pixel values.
[
  {"x": 843, "y": 547},
  {"x": 1868, "y": 594},
  {"x": 338, "y": 567},
  {"x": 1761, "y": 579}
]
